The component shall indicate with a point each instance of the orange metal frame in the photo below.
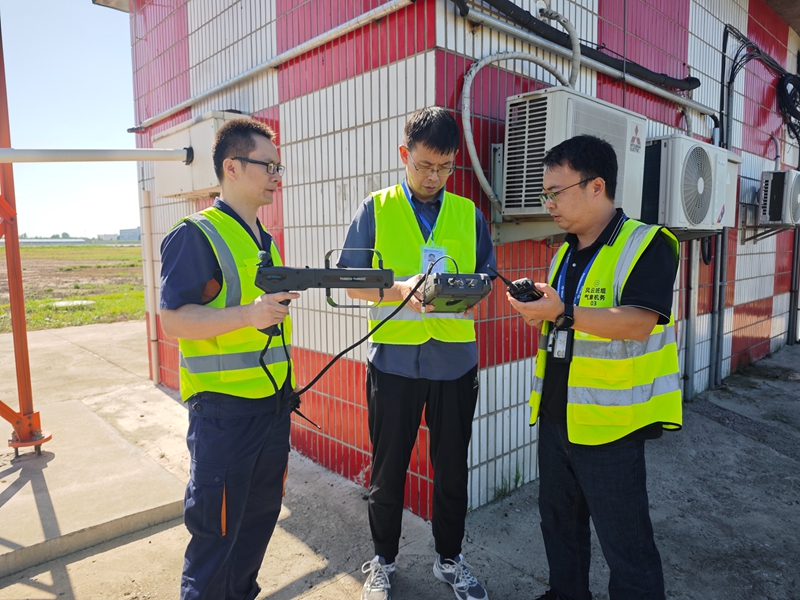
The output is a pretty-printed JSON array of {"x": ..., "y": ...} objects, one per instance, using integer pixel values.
[{"x": 26, "y": 422}]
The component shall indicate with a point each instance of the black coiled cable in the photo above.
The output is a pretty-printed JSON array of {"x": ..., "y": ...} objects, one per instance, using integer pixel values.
[{"x": 789, "y": 95}]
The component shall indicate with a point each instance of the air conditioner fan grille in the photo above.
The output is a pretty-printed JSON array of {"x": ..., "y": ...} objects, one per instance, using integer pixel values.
[
  {"x": 697, "y": 185},
  {"x": 794, "y": 201}
]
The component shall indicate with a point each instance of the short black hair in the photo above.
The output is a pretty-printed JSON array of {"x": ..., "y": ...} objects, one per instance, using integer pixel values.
[
  {"x": 589, "y": 156},
  {"x": 434, "y": 128},
  {"x": 237, "y": 138}
]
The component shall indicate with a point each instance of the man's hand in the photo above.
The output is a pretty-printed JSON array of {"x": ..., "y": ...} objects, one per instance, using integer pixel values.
[
  {"x": 547, "y": 308},
  {"x": 405, "y": 287},
  {"x": 267, "y": 310}
]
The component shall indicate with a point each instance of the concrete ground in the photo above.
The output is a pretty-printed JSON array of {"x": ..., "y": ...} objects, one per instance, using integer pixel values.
[{"x": 724, "y": 493}]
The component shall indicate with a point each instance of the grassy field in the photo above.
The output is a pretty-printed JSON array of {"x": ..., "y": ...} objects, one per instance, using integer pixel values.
[{"x": 109, "y": 276}]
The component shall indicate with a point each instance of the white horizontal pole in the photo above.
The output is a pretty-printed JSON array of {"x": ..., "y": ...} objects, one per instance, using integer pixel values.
[{"x": 15, "y": 155}]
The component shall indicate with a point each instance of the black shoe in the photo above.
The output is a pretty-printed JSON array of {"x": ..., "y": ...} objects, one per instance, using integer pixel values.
[{"x": 548, "y": 595}]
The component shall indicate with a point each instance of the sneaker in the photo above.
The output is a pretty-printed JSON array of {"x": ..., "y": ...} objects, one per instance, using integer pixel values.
[
  {"x": 378, "y": 585},
  {"x": 457, "y": 574}
]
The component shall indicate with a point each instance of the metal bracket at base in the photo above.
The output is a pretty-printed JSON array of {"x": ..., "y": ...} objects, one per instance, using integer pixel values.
[{"x": 40, "y": 438}]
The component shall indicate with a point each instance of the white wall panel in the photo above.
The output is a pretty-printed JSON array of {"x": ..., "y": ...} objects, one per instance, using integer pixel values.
[{"x": 502, "y": 454}]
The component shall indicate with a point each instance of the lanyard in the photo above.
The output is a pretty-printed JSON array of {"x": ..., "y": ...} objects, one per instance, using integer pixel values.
[
  {"x": 416, "y": 212},
  {"x": 562, "y": 276},
  {"x": 565, "y": 265}
]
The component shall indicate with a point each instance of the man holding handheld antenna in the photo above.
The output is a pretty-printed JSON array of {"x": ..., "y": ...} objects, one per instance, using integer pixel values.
[
  {"x": 239, "y": 410},
  {"x": 606, "y": 376},
  {"x": 420, "y": 360}
]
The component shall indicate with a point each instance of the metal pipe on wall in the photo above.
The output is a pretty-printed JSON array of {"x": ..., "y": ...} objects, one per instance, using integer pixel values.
[
  {"x": 691, "y": 324},
  {"x": 476, "y": 16},
  {"x": 714, "y": 349},
  {"x": 16, "y": 155},
  {"x": 150, "y": 281},
  {"x": 794, "y": 293},
  {"x": 721, "y": 299}
]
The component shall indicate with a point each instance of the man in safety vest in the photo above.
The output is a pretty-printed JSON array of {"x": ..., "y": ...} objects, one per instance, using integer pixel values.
[
  {"x": 606, "y": 376},
  {"x": 420, "y": 360},
  {"x": 234, "y": 378}
]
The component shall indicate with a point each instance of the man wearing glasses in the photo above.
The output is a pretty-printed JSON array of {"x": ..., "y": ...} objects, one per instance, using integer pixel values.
[
  {"x": 606, "y": 376},
  {"x": 239, "y": 422},
  {"x": 420, "y": 360}
]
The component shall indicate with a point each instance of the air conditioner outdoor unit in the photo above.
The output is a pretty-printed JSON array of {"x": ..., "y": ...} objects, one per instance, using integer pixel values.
[
  {"x": 689, "y": 185},
  {"x": 537, "y": 121},
  {"x": 198, "y": 179},
  {"x": 779, "y": 198}
]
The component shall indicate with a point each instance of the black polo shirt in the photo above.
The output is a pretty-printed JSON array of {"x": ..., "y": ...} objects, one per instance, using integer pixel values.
[{"x": 649, "y": 286}]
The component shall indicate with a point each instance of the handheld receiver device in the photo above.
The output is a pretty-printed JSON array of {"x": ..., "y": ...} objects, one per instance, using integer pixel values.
[
  {"x": 451, "y": 292},
  {"x": 521, "y": 289}
]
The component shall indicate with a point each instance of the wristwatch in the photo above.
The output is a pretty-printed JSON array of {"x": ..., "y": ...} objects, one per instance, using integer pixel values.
[{"x": 566, "y": 319}]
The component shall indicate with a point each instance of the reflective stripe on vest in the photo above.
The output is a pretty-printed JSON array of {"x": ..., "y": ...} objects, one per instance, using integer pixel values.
[
  {"x": 616, "y": 386},
  {"x": 233, "y": 362},
  {"x": 399, "y": 240},
  {"x": 229, "y": 363}
]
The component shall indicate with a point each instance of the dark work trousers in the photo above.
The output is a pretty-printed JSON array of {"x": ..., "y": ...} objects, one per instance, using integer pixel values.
[
  {"x": 607, "y": 483},
  {"x": 239, "y": 450},
  {"x": 395, "y": 409}
]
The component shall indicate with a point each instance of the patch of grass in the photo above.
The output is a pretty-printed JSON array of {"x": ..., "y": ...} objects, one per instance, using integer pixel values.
[
  {"x": 81, "y": 254},
  {"x": 120, "y": 305},
  {"x": 506, "y": 487},
  {"x": 110, "y": 276}
]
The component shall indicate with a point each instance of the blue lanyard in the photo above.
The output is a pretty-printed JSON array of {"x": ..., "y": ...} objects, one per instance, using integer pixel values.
[
  {"x": 562, "y": 278},
  {"x": 416, "y": 212},
  {"x": 565, "y": 265}
]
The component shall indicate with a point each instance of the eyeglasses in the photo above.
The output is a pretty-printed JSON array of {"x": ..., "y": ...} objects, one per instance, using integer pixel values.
[
  {"x": 428, "y": 171},
  {"x": 551, "y": 196},
  {"x": 271, "y": 167}
]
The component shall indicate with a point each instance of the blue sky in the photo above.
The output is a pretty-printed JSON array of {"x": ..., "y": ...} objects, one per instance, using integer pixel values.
[{"x": 69, "y": 78}]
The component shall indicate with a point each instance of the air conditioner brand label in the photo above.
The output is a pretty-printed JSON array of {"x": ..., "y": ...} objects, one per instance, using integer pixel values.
[{"x": 636, "y": 141}]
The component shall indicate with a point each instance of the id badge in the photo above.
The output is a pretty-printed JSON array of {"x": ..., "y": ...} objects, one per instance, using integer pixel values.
[
  {"x": 561, "y": 347},
  {"x": 430, "y": 254}
]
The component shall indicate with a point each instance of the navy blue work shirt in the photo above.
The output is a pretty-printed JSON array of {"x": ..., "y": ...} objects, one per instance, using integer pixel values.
[
  {"x": 190, "y": 271},
  {"x": 435, "y": 360}
]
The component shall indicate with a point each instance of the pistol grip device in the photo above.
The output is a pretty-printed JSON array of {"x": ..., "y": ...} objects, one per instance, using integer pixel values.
[
  {"x": 521, "y": 289},
  {"x": 275, "y": 331},
  {"x": 271, "y": 280}
]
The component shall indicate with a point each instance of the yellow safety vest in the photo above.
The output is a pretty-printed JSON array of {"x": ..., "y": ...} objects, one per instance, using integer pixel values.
[
  {"x": 228, "y": 363},
  {"x": 399, "y": 240},
  {"x": 615, "y": 386}
]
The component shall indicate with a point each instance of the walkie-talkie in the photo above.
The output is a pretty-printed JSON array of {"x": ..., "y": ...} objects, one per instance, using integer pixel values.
[{"x": 521, "y": 289}]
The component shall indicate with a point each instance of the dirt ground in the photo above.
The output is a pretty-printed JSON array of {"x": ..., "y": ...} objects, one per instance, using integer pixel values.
[
  {"x": 109, "y": 277},
  {"x": 61, "y": 272}
]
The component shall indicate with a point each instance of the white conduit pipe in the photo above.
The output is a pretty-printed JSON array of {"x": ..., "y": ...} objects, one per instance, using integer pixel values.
[
  {"x": 328, "y": 36},
  {"x": 150, "y": 283},
  {"x": 480, "y": 18},
  {"x": 469, "y": 140},
  {"x": 15, "y": 155},
  {"x": 777, "y": 159},
  {"x": 573, "y": 38},
  {"x": 688, "y": 118}
]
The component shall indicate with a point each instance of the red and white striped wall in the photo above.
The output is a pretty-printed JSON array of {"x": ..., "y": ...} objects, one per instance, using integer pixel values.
[{"x": 339, "y": 111}]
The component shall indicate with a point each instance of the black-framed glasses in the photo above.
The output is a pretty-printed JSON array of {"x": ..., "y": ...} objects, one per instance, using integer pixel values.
[
  {"x": 428, "y": 171},
  {"x": 271, "y": 167},
  {"x": 551, "y": 196}
]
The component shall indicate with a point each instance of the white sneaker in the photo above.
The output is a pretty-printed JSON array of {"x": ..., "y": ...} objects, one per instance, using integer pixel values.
[
  {"x": 457, "y": 573},
  {"x": 378, "y": 585}
]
